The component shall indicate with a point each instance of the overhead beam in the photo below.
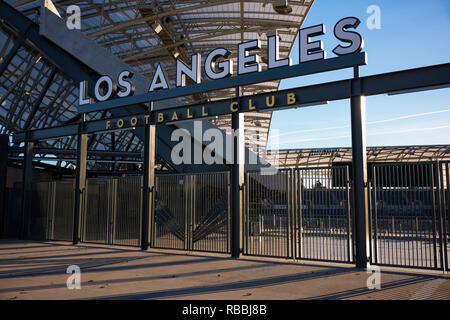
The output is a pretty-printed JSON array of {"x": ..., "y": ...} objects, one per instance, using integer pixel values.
[
  {"x": 56, "y": 151},
  {"x": 7, "y": 60},
  {"x": 425, "y": 77},
  {"x": 242, "y": 80},
  {"x": 39, "y": 99}
]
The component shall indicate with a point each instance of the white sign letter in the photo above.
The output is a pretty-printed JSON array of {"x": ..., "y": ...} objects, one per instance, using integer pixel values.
[
  {"x": 248, "y": 63},
  {"x": 193, "y": 73},
  {"x": 353, "y": 38},
  {"x": 310, "y": 51},
  {"x": 125, "y": 85},
  {"x": 273, "y": 53},
  {"x": 111, "y": 88},
  {"x": 83, "y": 99},
  {"x": 225, "y": 67},
  {"x": 159, "y": 80}
]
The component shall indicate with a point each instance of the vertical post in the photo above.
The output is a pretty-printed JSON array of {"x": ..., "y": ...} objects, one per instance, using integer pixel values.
[
  {"x": 440, "y": 217},
  {"x": 27, "y": 172},
  {"x": 358, "y": 119},
  {"x": 113, "y": 148},
  {"x": 80, "y": 181},
  {"x": 3, "y": 169},
  {"x": 148, "y": 182},
  {"x": 237, "y": 180}
]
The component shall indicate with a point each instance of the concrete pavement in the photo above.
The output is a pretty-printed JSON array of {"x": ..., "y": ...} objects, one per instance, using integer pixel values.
[{"x": 37, "y": 270}]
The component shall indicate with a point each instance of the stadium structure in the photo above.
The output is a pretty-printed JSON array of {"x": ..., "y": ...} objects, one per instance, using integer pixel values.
[{"x": 305, "y": 211}]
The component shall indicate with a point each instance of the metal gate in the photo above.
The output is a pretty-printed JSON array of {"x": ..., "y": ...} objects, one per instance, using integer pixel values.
[
  {"x": 63, "y": 203},
  {"x": 192, "y": 212},
  {"x": 322, "y": 218},
  {"x": 52, "y": 210},
  {"x": 268, "y": 214},
  {"x": 445, "y": 205},
  {"x": 407, "y": 216},
  {"x": 112, "y": 212},
  {"x": 303, "y": 213}
]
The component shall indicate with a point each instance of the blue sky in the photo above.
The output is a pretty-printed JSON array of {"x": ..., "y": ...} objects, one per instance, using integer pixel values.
[{"x": 413, "y": 34}]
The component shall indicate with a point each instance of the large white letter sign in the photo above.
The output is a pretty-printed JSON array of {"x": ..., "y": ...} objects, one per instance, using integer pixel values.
[
  {"x": 225, "y": 67},
  {"x": 354, "y": 38},
  {"x": 83, "y": 98},
  {"x": 273, "y": 53},
  {"x": 193, "y": 73},
  {"x": 248, "y": 63},
  {"x": 159, "y": 80},
  {"x": 310, "y": 51},
  {"x": 111, "y": 87},
  {"x": 126, "y": 88}
]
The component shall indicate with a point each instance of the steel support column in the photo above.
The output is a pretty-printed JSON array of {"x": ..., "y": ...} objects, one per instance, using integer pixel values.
[
  {"x": 4, "y": 139},
  {"x": 358, "y": 119},
  {"x": 148, "y": 184},
  {"x": 80, "y": 183},
  {"x": 27, "y": 172},
  {"x": 237, "y": 180}
]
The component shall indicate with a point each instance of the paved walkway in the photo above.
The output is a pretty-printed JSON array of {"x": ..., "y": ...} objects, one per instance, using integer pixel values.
[{"x": 37, "y": 270}]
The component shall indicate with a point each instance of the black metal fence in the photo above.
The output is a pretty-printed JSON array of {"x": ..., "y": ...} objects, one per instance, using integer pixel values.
[
  {"x": 409, "y": 215},
  {"x": 192, "y": 212},
  {"x": 300, "y": 213}
]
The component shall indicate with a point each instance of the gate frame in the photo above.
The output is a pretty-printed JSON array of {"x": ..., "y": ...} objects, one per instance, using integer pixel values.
[
  {"x": 294, "y": 216},
  {"x": 436, "y": 191},
  {"x": 189, "y": 190},
  {"x": 351, "y": 256}
]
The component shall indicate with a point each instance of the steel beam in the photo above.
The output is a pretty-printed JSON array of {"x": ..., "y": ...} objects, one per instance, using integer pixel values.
[
  {"x": 27, "y": 173},
  {"x": 245, "y": 79},
  {"x": 29, "y": 30},
  {"x": 39, "y": 99},
  {"x": 237, "y": 180},
  {"x": 148, "y": 185},
  {"x": 57, "y": 151},
  {"x": 80, "y": 184},
  {"x": 425, "y": 77},
  {"x": 359, "y": 160},
  {"x": 7, "y": 60}
]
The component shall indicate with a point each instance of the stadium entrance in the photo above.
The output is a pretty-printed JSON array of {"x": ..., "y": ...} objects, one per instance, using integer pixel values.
[{"x": 350, "y": 213}]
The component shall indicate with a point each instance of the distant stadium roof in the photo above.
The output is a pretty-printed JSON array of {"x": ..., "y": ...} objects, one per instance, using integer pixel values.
[
  {"x": 141, "y": 33},
  {"x": 292, "y": 158}
]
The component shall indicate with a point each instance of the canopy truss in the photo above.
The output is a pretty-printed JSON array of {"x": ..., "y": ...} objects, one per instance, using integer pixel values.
[{"x": 293, "y": 158}]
